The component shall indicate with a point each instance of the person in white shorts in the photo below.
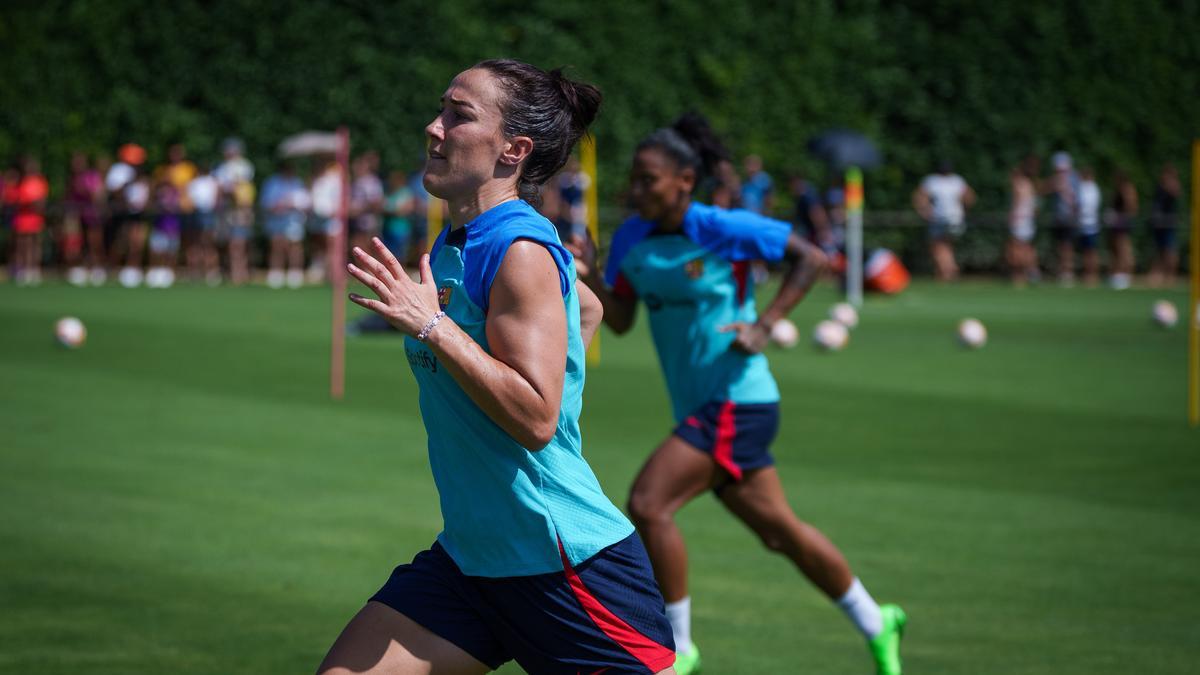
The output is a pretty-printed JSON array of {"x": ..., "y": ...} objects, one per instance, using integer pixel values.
[
  {"x": 942, "y": 200},
  {"x": 1022, "y": 223},
  {"x": 1089, "y": 226}
]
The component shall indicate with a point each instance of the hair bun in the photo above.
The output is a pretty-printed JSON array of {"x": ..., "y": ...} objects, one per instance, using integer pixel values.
[
  {"x": 695, "y": 129},
  {"x": 583, "y": 100}
]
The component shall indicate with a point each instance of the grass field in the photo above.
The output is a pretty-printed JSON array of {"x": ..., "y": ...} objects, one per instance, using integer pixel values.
[{"x": 181, "y": 495}]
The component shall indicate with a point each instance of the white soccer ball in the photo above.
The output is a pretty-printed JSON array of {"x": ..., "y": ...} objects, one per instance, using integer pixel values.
[
  {"x": 785, "y": 334},
  {"x": 1165, "y": 314},
  {"x": 70, "y": 332},
  {"x": 971, "y": 333},
  {"x": 845, "y": 314},
  {"x": 831, "y": 336}
]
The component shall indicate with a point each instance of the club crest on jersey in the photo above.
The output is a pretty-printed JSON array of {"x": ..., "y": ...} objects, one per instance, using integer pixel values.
[
  {"x": 695, "y": 268},
  {"x": 444, "y": 294}
]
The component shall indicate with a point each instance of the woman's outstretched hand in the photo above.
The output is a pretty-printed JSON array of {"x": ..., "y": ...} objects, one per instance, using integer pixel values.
[
  {"x": 405, "y": 304},
  {"x": 751, "y": 338},
  {"x": 583, "y": 249}
]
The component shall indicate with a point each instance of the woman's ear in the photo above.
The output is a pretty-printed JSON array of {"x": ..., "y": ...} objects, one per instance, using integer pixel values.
[{"x": 516, "y": 150}]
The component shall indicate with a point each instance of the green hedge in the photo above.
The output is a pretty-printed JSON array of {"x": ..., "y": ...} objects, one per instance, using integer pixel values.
[{"x": 1112, "y": 81}]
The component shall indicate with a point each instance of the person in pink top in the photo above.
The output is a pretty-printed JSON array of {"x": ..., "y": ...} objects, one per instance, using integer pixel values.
[
  {"x": 28, "y": 198},
  {"x": 82, "y": 222}
]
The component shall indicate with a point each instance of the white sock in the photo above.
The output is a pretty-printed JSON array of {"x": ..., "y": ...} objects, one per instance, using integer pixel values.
[
  {"x": 858, "y": 604},
  {"x": 680, "y": 616}
]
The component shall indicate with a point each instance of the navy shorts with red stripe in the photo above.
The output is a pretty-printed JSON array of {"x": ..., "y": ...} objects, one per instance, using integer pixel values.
[
  {"x": 737, "y": 435},
  {"x": 602, "y": 615}
]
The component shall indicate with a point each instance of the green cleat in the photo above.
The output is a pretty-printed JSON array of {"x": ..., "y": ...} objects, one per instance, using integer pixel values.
[
  {"x": 688, "y": 663},
  {"x": 885, "y": 647}
]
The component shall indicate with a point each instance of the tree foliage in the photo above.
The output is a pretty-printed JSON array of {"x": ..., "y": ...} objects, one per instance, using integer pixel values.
[{"x": 982, "y": 84}]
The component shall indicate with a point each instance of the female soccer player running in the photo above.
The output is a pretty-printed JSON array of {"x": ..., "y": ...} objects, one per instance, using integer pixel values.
[
  {"x": 534, "y": 563},
  {"x": 688, "y": 263}
]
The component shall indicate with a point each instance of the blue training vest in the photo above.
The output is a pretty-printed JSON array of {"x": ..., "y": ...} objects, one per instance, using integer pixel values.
[
  {"x": 692, "y": 282},
  {"x": 506, "y": 509}
]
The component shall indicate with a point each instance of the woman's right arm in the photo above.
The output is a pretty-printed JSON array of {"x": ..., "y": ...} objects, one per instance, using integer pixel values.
[{"x": 619, "y": 311}]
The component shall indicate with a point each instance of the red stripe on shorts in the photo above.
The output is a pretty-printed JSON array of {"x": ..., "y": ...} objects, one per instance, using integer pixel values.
[
  {"x": 741, "y": 274},
  {"x": 651, "y": 654},
  {"x": 723, "y": 446}
]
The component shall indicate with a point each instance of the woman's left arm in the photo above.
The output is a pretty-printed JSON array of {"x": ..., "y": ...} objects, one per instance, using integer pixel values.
[
  {"x": 806, "y": 263},
  {"x": 519, "y": 385}
]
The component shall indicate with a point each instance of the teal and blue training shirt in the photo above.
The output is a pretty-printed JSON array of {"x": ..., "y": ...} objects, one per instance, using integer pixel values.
[
  {"x": 693, "y": 282},
  {"x": 505, "y": 509}
]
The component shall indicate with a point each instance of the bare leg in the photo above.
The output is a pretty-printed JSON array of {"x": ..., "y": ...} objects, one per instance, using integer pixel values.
[
  {"x": 95, "y": 246},
  {"x": 331, "y": 256},
  {"x": 379, "y": 640},
  {"x": 295, "y": 256},
  {"x": 943, "y": 260},
  {"x": 21, "y": 257},
  {"x": 1170, "y": 265},
  {"x": 1091, "y": 267},
  {"x": 212, "y": 257},
  {"x": 192, "y": 259},
  {"x": 1124, "y": 254},
  {"x": 137, "y": 245},
  {"x": 1014, "y": 260},
  {"x": 278, "y": 244},
  {"x": 759, "y": 501},
  {"x": 239, "y": 271},
  {"x": 674, "y": 475},
  {"x": 1066, "y": 259}
]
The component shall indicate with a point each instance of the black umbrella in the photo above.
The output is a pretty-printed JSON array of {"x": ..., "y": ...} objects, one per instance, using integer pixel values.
[{"x": 842, "y": 148}]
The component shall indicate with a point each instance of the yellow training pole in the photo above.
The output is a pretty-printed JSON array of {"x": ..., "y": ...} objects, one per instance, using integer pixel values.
[
  {"x": 1194, "y": 315},
  {"x": 587, "y": 162}
]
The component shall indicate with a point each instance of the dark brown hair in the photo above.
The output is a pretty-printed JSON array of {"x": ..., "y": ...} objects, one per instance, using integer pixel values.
[
  {"x": 547, "y": 107},
  {"x": 691, "y": 143}
]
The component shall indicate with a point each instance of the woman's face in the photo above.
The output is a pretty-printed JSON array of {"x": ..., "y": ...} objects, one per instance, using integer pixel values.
[
  {"x": 657, "y": 185},
  {"x": 465, "y": 140}
]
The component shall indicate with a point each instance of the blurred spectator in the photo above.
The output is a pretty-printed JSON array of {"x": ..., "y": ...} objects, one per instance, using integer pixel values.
[
  {"x": 135, "y": 201},
  {"x": 756, "y": 189},
  {"x": 573, "y": 184},
  {"x": 726, "y": 186},
  {"x": 941, "y": 200},
  {"x": 1022, "y": 223},
  {"x": 398, "y": 210},
  {"x": 420, "y": 218},
  {"x": 200, "y": 226},
  {"x": 553, "y": 209},
  {"x": 27, "y": 199},
  {"x": 177, "y": 172},
  {"x": 285, "y": 202},
  {"x": 164, "y": 237},
  {"x": 83, "y": 223},
  {"x": 1062, "y": 190},
  {"x": 810, "y": 221},
  {"x": 1120, "y": 226},
  {"x": 835, "y": 209},
  {"x": 366, "y": 201},
  {"x": 326, "y": 201},
  {"x": 118, "y": 176},
  {"x": 1090, "y": 201},
  {"x": 9, "y": 176},
  {"x": 1164, "y": 212},
  {"x": 235, "y": 176}
]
